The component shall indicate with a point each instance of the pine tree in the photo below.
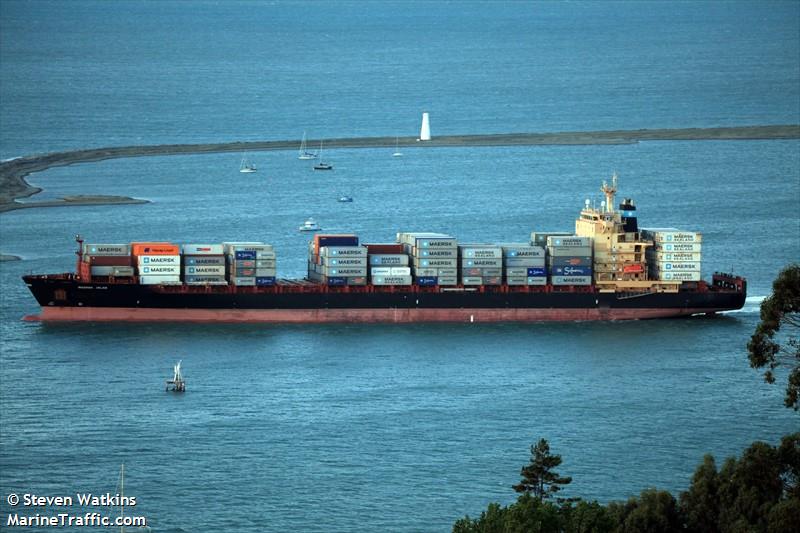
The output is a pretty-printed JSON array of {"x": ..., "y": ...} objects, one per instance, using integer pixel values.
[{"x": 538, "y": 477}]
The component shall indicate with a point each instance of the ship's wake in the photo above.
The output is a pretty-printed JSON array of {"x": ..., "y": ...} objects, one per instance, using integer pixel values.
[{"x": 752, "y": 304}]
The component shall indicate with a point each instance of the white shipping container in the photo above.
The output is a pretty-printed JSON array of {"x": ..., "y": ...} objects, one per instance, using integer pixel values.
[
  {"x": 265, "y": 263},
  {"x": 159, "y": 280},
  {"x": 244, "y": 282},
  {"x": 159, "y": 270},
  {"x": 482, "y": 263},
  {"x": 685, "y": 247},
  {"x": 567, "y": 251},
  {"x": 524, "y": 261},
  {"x": 673, "y": 256},
  {"x": 121, "y": 271},
  {"x": 344, "y": 271},
  {"x": 664, "y": 267},
  {"x": 481, "y": 253},
  {"x": 391, "y": 280},
  {"x": 520, "y": 251},
  {"x": 572, "y": 241},
  {"x": 202, "y": 249},
  {"x": 159, "y": 260},
  {"x": 678, "y": 276},
  {"x": 435, "y": 263},
  {"x": 381, "y": 271},
  {"x": 214, "y": 270},
  {"x": 388, "y": 259},
  {"x": 541, "y": 280},
  {"x": 571, "y": 280},
  {"x": 231, "y": 247},
  {"x": 671, "y": 235},
  {"x": 344, "y": 261},
  {"x": 426, "y": 272},
  {"x": 343, "y": 251},
  {"x": 435, "y": 253},
  {"x": 447, "y": 272},
  {"x": 472, "y": 280},
  {"x": 107, "y": 249},
  {"x": 400, "y": 271},
  {"x": 448, "y": 280}
]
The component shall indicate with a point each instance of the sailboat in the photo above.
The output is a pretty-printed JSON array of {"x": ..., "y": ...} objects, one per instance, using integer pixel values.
[
  {"x": 304, "y": 153},
  {"x": 245, "y": 166},
  {"x": 322, "y": 165},
  {"x": 397, "y": 152}
]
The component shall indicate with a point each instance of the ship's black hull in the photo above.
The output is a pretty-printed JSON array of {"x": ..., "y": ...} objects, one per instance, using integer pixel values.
[{"x": 65, "y": 298}]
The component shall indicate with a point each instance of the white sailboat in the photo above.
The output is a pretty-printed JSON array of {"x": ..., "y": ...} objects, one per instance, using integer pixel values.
[
  {"x": 322, "y": 165},
  {"x": 397, "y": 152},
  {"x": 304, "y": 153},
  {"x": 245, "y": 166}
]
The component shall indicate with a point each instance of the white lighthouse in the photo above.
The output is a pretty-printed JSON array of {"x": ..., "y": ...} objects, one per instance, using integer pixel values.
[{"x": 425, "y": 130}]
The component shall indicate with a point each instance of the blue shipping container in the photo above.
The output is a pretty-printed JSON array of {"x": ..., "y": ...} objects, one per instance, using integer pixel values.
[
  {"x": 427, "y": 281},
  {"x": 572, "y": 271},
  {"x": 537, "y": 272},
  {"x": 265, "y": 281},
  {"x": 337, "y": 241},
  {"x": 336, "y": 281},
  {"x": 245, "y": 254}
]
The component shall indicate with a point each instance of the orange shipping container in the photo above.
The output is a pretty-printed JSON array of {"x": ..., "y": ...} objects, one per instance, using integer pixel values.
[{"x": 154, "y": 248}]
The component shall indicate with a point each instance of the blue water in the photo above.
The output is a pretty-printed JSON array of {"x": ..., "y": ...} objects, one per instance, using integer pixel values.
[{"x": 387, "y": 427}]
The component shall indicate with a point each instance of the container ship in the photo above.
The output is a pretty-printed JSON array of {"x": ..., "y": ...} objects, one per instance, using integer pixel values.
[{"x": 606, "y": 269}]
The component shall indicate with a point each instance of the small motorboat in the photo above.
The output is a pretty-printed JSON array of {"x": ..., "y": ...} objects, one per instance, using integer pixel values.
[
  {"x": 345, "y": 199},
  {"x": 309, "y": 225}
]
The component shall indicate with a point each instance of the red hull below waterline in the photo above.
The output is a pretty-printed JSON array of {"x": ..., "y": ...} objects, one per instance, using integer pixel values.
[{"x": 317, "y": 316}]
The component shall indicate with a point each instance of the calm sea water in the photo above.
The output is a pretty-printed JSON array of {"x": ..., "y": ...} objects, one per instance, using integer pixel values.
[{"x": 388, "y": 427}]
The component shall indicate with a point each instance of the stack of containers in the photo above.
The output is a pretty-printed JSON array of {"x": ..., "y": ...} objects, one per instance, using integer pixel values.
[
  {"x": 524, "y": 264},
  {"x": 433, "y": 257},
  {"x": 250, "y": 264},
  {"x": 109, "y": 260},
  {"x": 203, "y": 264},
  {"x": 675, "y": 256},
  {"x": 481, "y": 264},
  {"x": 539, "y": 238},
  {"x": 157, "y": 263},
  {"x": 337, "y": 260},
  {"x": 388, "y": 264},
  {"x": 569, "y": 260}
]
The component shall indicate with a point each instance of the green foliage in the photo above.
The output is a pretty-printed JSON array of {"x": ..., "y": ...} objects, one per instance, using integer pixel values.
[
  {"x": 538, "y": 477},
  {"x": 782, "y": 308},
  {"x": 758, "y": 492}
]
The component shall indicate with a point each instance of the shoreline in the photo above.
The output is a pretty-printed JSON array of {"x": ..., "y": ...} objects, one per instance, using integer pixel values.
[{"x": 13, "y": 185}]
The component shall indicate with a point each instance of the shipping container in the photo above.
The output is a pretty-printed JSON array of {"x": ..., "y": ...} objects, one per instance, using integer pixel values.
[
  {"x": 384, "y": 249},
  {"x": 679, "y": 276},
  {"x": 572, "y": 241},
  {"x": 203, "y": 260},
  {"x": 249, "y": 255},
  {"x": 344, "y": 271},
  {"x": 472, "y": 280},
  {"x": 571, "y": 280},
  {"x": 536, "y": 272},
  {"x": 258, "y": 247},
  {"x": 216, "y": 280},
  {"x": 159, "y": 270},
  {"x": 671, "y": 235},
  {"x": 344, "y": 261},
  {"x": 248, "y": 281},
  {"x": 265, "y": 272},
  {"x": 399, "y": 271},
  {"x": 675, "y": 266},
  {"x": 576, "y": 251},
  {"x": 679, "y": 247},
  {"x": 110, "y": 260},
  {"x": 154, "y": 248},
  {"x": 114, "y": 271},
  {"x": 391, "y": 280},
  {"x": 448, "y": 281},
  {"x": 482, "y": 263},
  {"x": 571, "y": 271},
  {"x": 159, "y": 260},
  {"x": 323, "y": 239},
  {"x": 516, "y": 280},
  {"x": 426, "y": 272},
  {"x": 214, "y": 270},
  {"x": 381, "y": 271},
  {"x": 674, "y": 256},
  {"x": 524, "y": 262},
  {"x": 480, "y": 253},
  {"x": 523, "y": 250},
  {"x": 537, "y": 281},
  {"x": 265, "y": 263},
  {"x": 562, "y": 261},
  {"x": 356, "y": 280},
  {"x": 265, "y": 281},
  {"x": 343, "y": 251},
  {"x": 435, "y": 253},
  {"x": 389, "y": 259},
  {"x": 241, "y": 263},
  {"x": 159, "y": 280},
  {"x": 427, "y": 281},
  {"x": 107, "y": 249},
  {"x": 492, "y": 280},
  {"x": 448, "y": 272},
  {"x": 335, "y": 281},
  {"x": 202, "y": 249},
  {"x": 539, "y": 238},
  {"x": 435, "y": 263},
  {"x": 519, "y": 272},
  {"x": 243, "y": 272}
]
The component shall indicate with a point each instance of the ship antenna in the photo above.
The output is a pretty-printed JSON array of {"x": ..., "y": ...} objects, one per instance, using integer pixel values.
[
  {"x": 79, "y": 253},
  {"x": 610, "y": 191}
]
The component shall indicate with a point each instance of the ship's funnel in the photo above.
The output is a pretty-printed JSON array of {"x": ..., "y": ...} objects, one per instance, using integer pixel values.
[{"x": 425, "y": 130}]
